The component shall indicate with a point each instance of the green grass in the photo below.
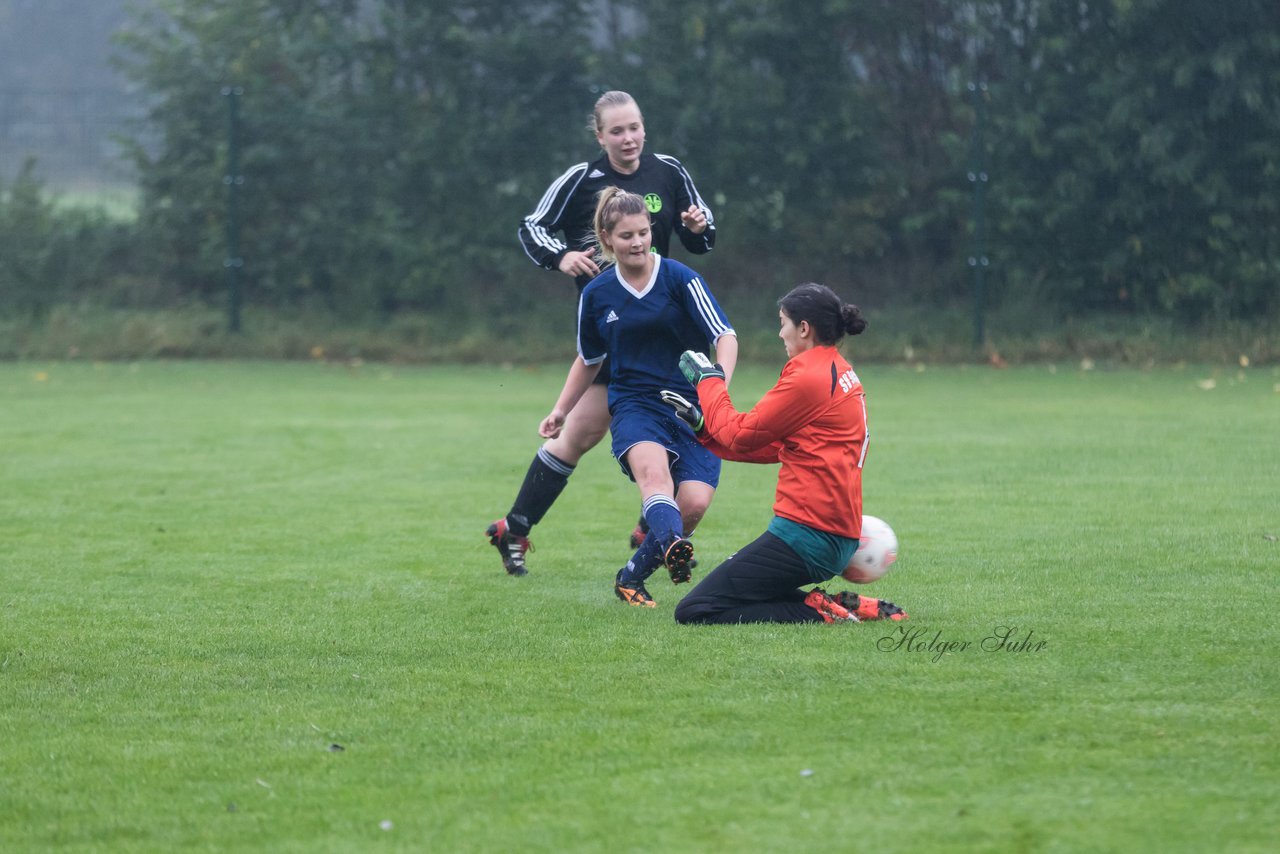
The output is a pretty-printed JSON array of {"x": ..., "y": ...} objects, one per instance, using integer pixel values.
[
  {"x": 215, "y": 572},
  {"x": 117, "y": 201},
  {"x": 145, "y": 318}
]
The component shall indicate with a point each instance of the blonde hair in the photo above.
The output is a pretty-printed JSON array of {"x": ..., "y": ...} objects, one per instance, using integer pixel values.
[
  {"x": 612, "y": 206},
  {"x": 612, "y": 98}
]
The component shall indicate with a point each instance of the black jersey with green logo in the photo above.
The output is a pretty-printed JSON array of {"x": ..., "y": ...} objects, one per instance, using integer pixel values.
[{"x": 570, "y": 202}]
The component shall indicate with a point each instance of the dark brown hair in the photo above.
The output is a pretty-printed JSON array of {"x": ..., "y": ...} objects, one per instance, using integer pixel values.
[{"x": 830, "y": 317}]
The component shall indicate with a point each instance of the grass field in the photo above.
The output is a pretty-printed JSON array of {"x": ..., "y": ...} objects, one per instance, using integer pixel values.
[{"x": 249, "y": 607}]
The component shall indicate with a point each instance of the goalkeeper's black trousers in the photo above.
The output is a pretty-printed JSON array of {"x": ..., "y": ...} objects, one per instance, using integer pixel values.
[{"x": 759, "y": 583}]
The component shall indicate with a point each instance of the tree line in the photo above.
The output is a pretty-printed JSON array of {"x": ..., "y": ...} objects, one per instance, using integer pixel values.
[{"x": 1120, "y": 155}]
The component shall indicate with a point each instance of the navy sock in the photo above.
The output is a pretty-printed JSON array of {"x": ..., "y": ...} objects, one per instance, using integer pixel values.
[
  {"x": 542, "y": 485},
  {"x": 663, "y": 515},
  {"x": 644, "y": 562},
  {"x": 665, "y": 526}
]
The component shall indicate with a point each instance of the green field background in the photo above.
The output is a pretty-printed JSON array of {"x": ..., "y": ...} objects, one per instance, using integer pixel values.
[{"x": 249, "y": 606}]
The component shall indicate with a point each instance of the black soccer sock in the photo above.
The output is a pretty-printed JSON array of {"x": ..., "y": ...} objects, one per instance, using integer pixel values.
[{"x": 542, "y": 485}]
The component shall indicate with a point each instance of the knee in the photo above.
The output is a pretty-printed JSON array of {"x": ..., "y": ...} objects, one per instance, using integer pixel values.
[
  {"x": 589, "y": 431},
  {"x": 572, "y": 445},
  {"x": 691, "y": 516},
  {"x": 693, "y": 504},
  {"x": 688, "y": 612},
  {"x": 585, "y": 440},
  {"x": 583, "y": 430}
]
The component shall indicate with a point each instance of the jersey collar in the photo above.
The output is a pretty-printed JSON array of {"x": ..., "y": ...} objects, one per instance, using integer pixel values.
[{"x": 653, "y": 277}]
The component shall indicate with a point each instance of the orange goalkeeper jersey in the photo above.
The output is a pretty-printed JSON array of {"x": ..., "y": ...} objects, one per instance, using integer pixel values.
[{"x": 814, "y": 422}]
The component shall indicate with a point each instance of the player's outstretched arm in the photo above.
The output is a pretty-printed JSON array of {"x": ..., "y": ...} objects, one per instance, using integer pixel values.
[
  {"x": 575, "y": 386},
  {"x": 727, "y": 355}
]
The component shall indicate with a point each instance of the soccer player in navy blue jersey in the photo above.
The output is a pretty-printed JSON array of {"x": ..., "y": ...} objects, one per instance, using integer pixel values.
[
  {"x": 567, "y": 208},
  {"x": 642, "y": 314}
]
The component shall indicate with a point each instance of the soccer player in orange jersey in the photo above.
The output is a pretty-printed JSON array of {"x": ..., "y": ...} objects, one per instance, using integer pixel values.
[{"x": 813, "y": 422}]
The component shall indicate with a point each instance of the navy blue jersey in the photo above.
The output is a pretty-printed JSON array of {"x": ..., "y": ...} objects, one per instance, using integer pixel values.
[
  {"x": 569, "y": 205},
  {"x": 644, "y": 332}
]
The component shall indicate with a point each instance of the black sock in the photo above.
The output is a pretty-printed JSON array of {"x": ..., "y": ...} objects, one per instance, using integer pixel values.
[{"x": 542, "y": 485}]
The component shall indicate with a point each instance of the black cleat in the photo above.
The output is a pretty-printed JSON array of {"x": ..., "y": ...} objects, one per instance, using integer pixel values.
[
  {"x": 633, "y": 593},
  {"x": 679, "y": 560}
]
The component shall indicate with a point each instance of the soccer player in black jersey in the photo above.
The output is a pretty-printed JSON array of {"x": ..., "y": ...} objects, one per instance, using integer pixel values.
[{"x": 567, "y": 208}]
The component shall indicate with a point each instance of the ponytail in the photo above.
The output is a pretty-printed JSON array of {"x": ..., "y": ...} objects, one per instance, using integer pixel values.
[{"x": 830, "y": 317}]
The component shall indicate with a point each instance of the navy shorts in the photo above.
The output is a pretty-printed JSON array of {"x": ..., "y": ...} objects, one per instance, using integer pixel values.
[{"x": 638, "y": 419}]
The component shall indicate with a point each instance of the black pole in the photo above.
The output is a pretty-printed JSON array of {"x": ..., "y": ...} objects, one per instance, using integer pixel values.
[
  {"x": 233, "y": 179},
  {"x": 978, "y": 178}
]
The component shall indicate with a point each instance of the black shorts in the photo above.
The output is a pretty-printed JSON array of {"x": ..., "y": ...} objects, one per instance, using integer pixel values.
[
  {"x": 759, "y": 583},
  {"x": 602, "y": 378}
]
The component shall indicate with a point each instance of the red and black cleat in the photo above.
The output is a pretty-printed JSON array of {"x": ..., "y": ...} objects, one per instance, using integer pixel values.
[
  {"x": 511, "y": 547},
  {"x": 828, "y": 608},
  {"x": 867, "y": 608}
]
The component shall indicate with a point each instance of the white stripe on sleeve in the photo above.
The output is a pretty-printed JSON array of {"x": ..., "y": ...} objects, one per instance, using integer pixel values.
[
  {"x": 707, "y": 309},
  {"x": 538, "y": 233}
]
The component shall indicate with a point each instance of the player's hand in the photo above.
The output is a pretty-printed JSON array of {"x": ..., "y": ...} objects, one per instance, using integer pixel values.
[
  {"x": 694, "y": 219},
  {"x": 696, "y": 367},
  {"x": 552, "y": 425},
  {"x": 687, "y": 412},
  {"x": 579, "y": 264}
]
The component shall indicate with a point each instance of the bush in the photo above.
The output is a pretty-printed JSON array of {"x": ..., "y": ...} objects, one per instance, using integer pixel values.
[{"x": 51, "y": 254}]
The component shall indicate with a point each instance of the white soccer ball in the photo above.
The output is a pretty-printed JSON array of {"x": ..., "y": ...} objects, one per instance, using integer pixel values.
[{"x": 877, "y": 550}]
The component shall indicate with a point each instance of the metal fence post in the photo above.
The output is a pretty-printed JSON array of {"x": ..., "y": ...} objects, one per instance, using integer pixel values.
[
  {"x": 978, "y": 178},
  {"x": 233, "y": 179}
]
